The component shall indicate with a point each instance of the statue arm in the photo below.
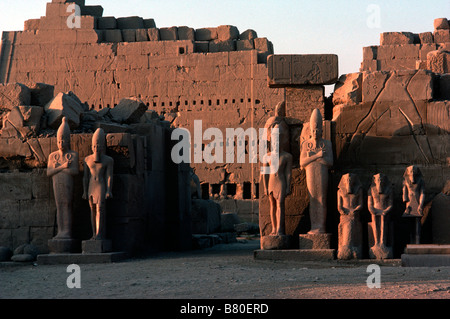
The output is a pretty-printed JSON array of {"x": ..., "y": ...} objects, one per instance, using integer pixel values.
[
  {"x": 390, "y": 204},
  {"x": 72, "y": 168},
  {"x": 265, "y": 174},
  {"x": 340, "y": 207},
  {"x": 360, "y": 200}
]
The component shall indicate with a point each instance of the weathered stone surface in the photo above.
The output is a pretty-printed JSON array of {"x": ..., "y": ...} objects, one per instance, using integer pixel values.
[
  {"x": 228, "y": 221},
  {"x": 438, "y": 61},
  {"x": 222, "y": 46},
  {"x": 149, "y": 23},
  {"x": 296, "y": 254},
  {"x": 14, "y": 94},
  {"x": 315, "y": 241},
  {"x": 23, "y": 258},
  {"x": 113, "y": 35},
  {"x": 392, "y": 38},
  {"x": 443, "y": 87},
  {"x": 227, "y": 32},
  {"x": 441, "y": 24},
  {"x": 129, "y": 110},
  {"x": 440, "y": 216},
  {"x": 248, "y": 35},
  {"x": 426, "y": 37},
  {"x": 348, "y": 90},
  {"x": 59, "y": 246},
  {"x": 206, "y": 34},
  {"x": 130, "y": 23},
  {"x": 63, "y": 105},
  {"x": 168, "y": 34},
  {"x": 301, "y": 101},
  {"x": 153, "y": 34},
  {"x": 441, "y": 36},
  {"x": 22, "y": 121},
  {"x": 292, "y": 70},
  {"x": 96, "y": 246},
  {"x": 276, "y": 242},
  {"x": 41, "y": 93},
  {"x": 107, "y": 23},
  {"x": 186, "y": 33}
]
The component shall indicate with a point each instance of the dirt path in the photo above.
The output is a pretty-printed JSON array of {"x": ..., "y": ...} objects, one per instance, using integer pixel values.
[{"x": 223, "y": 272}]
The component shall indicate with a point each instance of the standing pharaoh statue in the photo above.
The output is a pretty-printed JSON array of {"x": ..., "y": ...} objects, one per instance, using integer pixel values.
[
  {"x": 97, "y": 183},
  {"x": 380, "y": 201},
  {"x": 277, "y": 174},
  {"x": 350, "y": 204},
  {"x": 316, "y": 157},
  {"x": 62, "y": 167},
  {"x": 414, "y": 197}
]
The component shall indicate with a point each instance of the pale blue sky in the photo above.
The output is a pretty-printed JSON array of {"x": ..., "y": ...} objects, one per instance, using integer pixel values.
[{"x": 294, "y": 26}]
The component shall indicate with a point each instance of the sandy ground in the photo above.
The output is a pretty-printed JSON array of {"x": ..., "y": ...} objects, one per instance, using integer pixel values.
[{"x": 223, "y": 272}]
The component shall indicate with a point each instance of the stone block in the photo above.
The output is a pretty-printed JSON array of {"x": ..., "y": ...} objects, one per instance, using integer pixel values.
[
  {"x": 130, "y": 23},
  {"x": 315, "y": 241},
  {"x": 41, "y": 93},
  {"x": 227, "y": 32},
  {"x": 149, "y": 23},
  {"x": 89, "y": 36},
  {"x": 244, "y": 45},
  {"x": 141, "y": 35},
  {"x": 201, "y": 46},
  {"x": 107, "y": 23},
  {"x": 441, "y": 36},
  {"x": 153, "y": 34},
  {"x": 438, "y": 61},
  {"x": 113, "y": 36},
  {"x": 168, "y": 34},
  {"x": 248, "y": 35},
  {"x": 14, "y": 94},
  {"x": 16, "y": 186},
  {"x": 302, "y": 100},
  {"x": 393, "y": 38},
  {"x": 94, "y": 11},
  {"x": 293, "y": 70},
  {"x": 222, "y": 46},
  {"x": 425, "y": 249},
  {"x": 31, "y": 24},
  {"x": 441, "y": 24},
  {"x": 425, "y": 48},
  {"x": 12, "y": 147},
  {"x": 405, "y": 51},
  {"x": 63, "y": 105},
  {"x": 370, "y": 53},
  {"x": 129, "y": 35},
  {"x": 276, "y": 242},
  {"x": 428, "y": 260},
  {"x": 59, "y": 246},
  {"x": 348, "y": 89},
  {"x": 96, "y": 246},
  {"x": 129, "y": 110},
  {"x": 206, "y": 34},
  {"x": 426, "y": 37},
  {"x": 186, "y": 33}
]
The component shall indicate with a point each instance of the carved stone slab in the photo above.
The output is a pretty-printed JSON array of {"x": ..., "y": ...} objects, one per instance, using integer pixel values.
[{"x": 294, "y": 70}]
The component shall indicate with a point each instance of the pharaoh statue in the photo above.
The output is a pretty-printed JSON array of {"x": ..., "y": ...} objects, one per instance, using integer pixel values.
[
  {"x": 414, "y": 197},
  {"x": 62, "y": 167},
  {"x": 97, "y": 183},
  {"x": 277, "y": 178},
  {"x": 350, "y": 203},
  {"x": 316, "y": 157},
  {"x": 380, "y": 202}
]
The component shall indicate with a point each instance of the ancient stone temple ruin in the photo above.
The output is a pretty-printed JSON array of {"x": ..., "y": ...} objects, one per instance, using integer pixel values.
[{"x": 138, "y": 83}]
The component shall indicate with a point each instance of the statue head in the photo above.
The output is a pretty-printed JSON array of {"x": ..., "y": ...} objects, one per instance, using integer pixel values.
[
  {"x": 63, "y": 136},
  {"x": 315, "y": 124},
  {"x": 380, "y": 183},
  {"x": 280, "y": 109},
  {"x": 413, "y": 174},
  {"x": 98, "y": 144},
  {"x": 350, "y": 184}
]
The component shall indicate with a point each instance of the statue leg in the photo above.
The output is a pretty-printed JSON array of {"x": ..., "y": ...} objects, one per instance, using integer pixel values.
[
  {"x": 93, "y": 218},
  {"x": 101, "y": 221},
  {"x": 273, "y": 213},
  {"x": 280, "y": 217},
  {"x": 63, "y": 219},
  {"x": 375, "y": 229}
]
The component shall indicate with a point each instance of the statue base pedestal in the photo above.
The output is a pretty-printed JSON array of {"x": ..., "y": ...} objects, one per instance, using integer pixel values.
[
  {"x": 315, "y": 241},
  {"x": 275, "y": 242},
  {"x": 96, "y": 246},
  {"x": 61, "y": 246}
]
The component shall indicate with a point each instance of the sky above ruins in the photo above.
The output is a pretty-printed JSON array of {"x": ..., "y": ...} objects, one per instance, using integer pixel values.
[{"x": 294, "y": 26}]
